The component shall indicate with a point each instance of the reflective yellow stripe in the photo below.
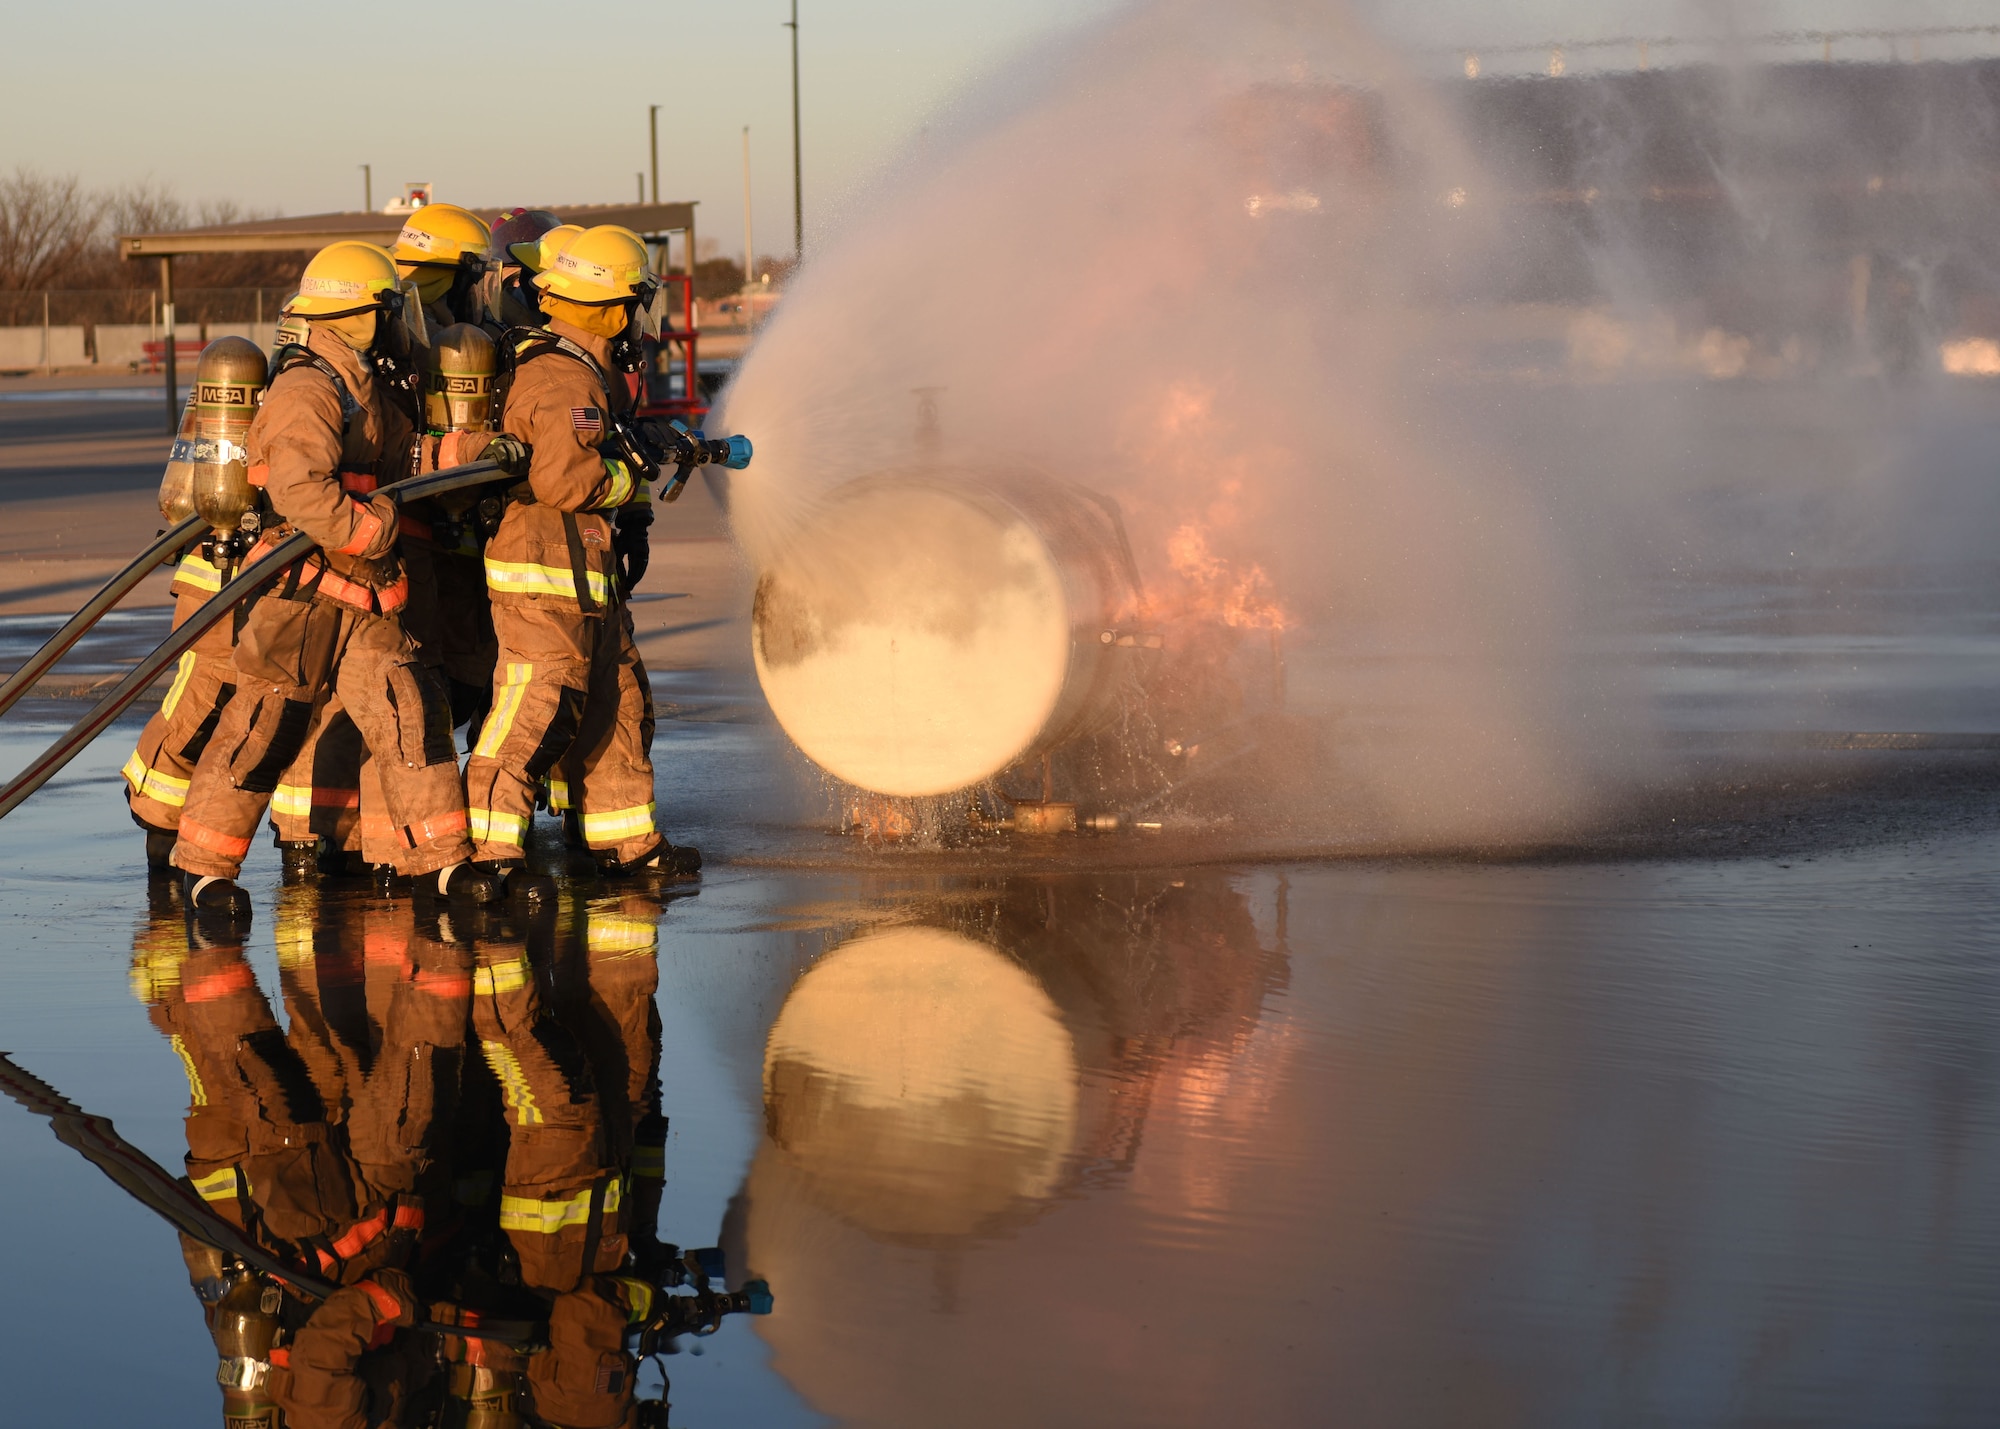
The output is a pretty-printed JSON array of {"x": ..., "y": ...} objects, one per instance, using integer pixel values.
[
  {"x": 152, "y": 784},
  {"x": 218, "y": 1185},
  {"x": 294, "y": 800},
  {"x": 618, "y": 823},
  {"x": 650, "y": 1162},
  {"x": 621, "y": 484},
  {"x": 294, "y": 933},
  {"x": 513, "y": 1083},
  {"x": 198, "y": 574},
  {"x": 616, "y": 933},
  {"x": 500, "y": 977},
  {"x": 644, "y": 495},
  {"x": 179, "y": 687},
  {"x": 530, "y": 1213},
  {"x": 490, "y": 826},
  {"x": 526, "y": 578},
  {"x": 558, "y": 796},
  {"x": 156, "y": 973},
  {"x": 638, "y": 1298},
  {"x": 506, "y": 707},
  {"x": 197, "y": 1093}
]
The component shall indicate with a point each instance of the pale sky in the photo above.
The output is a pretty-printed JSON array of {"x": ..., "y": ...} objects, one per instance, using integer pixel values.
[{"x": 277, "y": 104}]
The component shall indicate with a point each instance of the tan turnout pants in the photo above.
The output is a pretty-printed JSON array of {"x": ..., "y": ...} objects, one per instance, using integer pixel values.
[
  {"x": 291, "y": 655},
  {"x": 571, "y": 703},
  {"x": 162, "y": 764}
]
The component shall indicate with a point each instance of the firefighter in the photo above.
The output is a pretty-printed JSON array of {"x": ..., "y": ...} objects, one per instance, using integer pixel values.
[
  {"x": 569, "y": 687},
  {"x": 228, "y": 383},
  {"x": 318, "y": 1156},
  {"x": 330, "y": 800},
  {"x": 331, "y": 623},
  {"x": 162, "y": 763}
]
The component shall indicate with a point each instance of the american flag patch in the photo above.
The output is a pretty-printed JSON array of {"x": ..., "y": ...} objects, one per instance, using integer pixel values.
[{"x": 586, "y": 419}]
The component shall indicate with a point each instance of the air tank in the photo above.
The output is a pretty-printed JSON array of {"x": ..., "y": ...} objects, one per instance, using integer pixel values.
[
  {"x": 459, "y": 370},
  {"x": 177, "y": 481},
  {"x": 228, "y": 385},
  {"x": 938, "y": 626}
]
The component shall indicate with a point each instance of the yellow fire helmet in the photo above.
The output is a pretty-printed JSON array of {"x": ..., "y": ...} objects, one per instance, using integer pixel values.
[
  {"x": 441, "y": 235},
  {"x": 344, "y": 279},
  {"x": 349, "y": 278},
  {"x": 551, "y": 243},
  {"x": 599, "y": 267}
]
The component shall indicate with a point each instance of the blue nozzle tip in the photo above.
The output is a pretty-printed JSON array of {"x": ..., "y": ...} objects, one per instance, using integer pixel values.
[
  {"x": 760, "y": 1297},
  {"x": 739, "y": 453}
]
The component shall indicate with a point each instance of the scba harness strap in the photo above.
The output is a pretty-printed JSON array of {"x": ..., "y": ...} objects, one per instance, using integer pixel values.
[{"x": 384, "y": 600}]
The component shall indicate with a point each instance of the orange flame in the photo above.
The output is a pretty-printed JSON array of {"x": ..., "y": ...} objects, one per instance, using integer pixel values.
[{"x": 1193, "y": 450}]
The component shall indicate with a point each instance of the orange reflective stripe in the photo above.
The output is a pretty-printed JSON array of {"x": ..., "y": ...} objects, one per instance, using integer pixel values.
[
  {"x": 369, "y": 527},
  {"x": 260, "y": 474},
  {"x": 443, "y": 826},
  {"x": 359, "y": 1236},
  {"x": 336, "y": 798},
  {"x": 281, "y": 1356},
  {"x": 385, "y": 947},
  {"x": 217, "y": 985},
  {"x": 388, "y": 599},
  {"x": 202, "y": 836},
  {"x": 387, "y": 1306},
  {"x": 358, "y": 483},
  {"x": 411, "y": 526},
  {"x": 443, "y": 985},
  {"x": 409, "y": 1217}
]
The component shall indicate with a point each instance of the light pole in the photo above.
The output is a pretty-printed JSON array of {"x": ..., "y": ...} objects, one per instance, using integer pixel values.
[
  {"x": 798, "y": 172},
  {"x": 653, "y": 137},
  {"x": 749, "y": 248},
  {"x": 367, "y": 188}
]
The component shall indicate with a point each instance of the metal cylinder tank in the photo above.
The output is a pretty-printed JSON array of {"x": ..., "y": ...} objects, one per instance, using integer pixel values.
[
  {"x": 228, "y": 385},
  {"x": 940, "y": 626}
]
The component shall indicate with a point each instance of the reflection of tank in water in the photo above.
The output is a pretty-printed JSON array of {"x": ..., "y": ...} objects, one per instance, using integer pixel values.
[{"x": 930, "y": 1087}]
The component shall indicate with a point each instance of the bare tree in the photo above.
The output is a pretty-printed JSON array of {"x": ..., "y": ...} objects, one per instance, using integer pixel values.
[{"x": 47, "y": 223}]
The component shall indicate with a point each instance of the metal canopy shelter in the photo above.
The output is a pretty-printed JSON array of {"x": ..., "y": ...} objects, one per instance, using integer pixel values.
[{"x": 651, "y": 221}]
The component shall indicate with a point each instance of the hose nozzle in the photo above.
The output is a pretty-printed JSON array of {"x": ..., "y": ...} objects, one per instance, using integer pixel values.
[{"x": 732, "y": 452}]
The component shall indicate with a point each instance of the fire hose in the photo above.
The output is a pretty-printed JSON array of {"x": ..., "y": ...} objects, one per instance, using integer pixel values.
[
  {"x": 175, "y": 1201},
  {"x": 167, "y": 544},
  {"x": 129, "y": 689}
]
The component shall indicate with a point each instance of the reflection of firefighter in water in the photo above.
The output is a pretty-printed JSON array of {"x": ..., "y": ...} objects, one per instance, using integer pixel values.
[{"x": 366, "y": 1146}]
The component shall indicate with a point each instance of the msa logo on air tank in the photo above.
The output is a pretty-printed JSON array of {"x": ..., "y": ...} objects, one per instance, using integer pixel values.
[
  {"x": 221, "y": 394},
  {"x": 466, "y": 386}
]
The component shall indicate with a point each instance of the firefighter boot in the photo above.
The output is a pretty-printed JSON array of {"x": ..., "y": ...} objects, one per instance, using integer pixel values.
[
  {"x": 300, "y": 858},
  {"x": 464, "y": 882},
  {"x": 536, "y": 890},
  {"x": 160, "y": 852},
  {"x": 667, "y": 860},
  {"x": 221, "y": 900}
]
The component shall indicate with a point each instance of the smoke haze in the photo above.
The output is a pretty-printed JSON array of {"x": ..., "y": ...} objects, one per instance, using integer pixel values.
[{"x": 1265, "y": 279}]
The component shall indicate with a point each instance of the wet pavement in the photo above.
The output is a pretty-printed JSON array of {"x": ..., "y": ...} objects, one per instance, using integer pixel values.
[{"x": 1661, "y": 1141}]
